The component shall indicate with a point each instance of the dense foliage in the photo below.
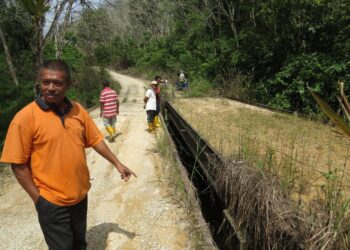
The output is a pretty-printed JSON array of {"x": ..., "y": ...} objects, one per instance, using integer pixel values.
[
  {"x": 12, "y": 97},
  {"x": 280, "y": 46},
  {"x": 265, "y": 51}
]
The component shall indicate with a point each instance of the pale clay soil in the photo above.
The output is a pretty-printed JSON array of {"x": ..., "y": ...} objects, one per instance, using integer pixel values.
[{"x": 139, "y": 214}]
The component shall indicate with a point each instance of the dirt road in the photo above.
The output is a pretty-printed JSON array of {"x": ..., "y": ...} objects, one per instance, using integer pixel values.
[{"x": 138, "y": 214}]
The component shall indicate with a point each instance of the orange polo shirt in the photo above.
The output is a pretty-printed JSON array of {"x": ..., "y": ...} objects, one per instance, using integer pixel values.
[{"x": 53, "y": 144}]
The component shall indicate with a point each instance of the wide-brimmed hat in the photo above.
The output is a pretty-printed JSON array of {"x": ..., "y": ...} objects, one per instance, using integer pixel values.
[{"x": 154, "y": 83}]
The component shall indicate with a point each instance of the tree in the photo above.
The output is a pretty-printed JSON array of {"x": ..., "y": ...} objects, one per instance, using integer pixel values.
[
  {"x": 94, "y": 28},
  {"x": 61, "y": 29},
  {"x": 8, "y": 57},
  {"x": 39, "y": 9},
  {"x": 4, "y": 44},
  {"x": 153, "y": 17}
]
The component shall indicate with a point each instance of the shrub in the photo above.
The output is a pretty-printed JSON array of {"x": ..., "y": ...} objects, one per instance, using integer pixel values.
[
  {"x": 199, "y": 87},
  {"x": 288, "y": 88}
]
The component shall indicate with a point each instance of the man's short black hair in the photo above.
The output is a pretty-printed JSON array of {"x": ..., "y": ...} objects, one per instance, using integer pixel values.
[
  {"x": 157, "y": 77},
  {"x": 57, "y": 64},
  {"x": 105, "y": 83}
]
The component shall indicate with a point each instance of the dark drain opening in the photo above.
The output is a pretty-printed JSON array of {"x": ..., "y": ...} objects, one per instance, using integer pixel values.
[{"x": 212, "y": 208}]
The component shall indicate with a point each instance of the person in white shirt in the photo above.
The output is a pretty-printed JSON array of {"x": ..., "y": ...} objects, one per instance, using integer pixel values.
[
  {"x": 151, "y": 105},
  {"x": 182, "y": 77},
  {"x": 182, "y": 82}
]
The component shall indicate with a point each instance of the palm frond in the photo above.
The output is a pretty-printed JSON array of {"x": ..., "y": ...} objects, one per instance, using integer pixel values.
[{"x": 336, "y": 119}]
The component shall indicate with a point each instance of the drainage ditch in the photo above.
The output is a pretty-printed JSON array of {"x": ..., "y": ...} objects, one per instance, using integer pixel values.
[{"x": 211, "y": 205}]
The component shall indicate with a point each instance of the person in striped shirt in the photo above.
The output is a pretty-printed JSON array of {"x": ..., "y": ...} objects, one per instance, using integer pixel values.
[{"x": 109, "y": 104}]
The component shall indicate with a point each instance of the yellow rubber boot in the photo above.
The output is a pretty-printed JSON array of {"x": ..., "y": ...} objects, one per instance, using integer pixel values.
[
  {"x": 110, "y": 132},
  {"x": 156, "y": 121},
  {"x": 114, "y": 131},
  {"x": 150, "y": 127}
]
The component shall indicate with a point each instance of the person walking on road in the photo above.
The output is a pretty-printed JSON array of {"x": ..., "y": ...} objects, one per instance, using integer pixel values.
[
  {"x": 151, "y": 105},
  {"x": 109, "y": 105},
  {"x": 45, "y": 145}
]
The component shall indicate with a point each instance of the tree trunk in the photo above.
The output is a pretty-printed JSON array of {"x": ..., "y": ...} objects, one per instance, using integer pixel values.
[
  {"x": 8, "y": 58},
  {"x": 38, "y": 52},
  {"x": 41, "y": 40},
  {"x": 232, "y": 17},
  {"x": 61, "y": 30}
]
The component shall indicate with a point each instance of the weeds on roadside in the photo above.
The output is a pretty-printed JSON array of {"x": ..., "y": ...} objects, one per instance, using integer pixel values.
[
  {"x": 179, "y": 191},
  {"x": 164, "y": 148}
]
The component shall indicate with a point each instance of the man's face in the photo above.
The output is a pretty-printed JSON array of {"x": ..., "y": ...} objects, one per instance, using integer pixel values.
[
  {"x": 54, "y": 85},
  {"x": 158, "y": 80}
]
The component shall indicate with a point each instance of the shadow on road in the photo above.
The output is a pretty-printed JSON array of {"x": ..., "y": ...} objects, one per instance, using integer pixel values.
[{"x": 97, "y": 235}]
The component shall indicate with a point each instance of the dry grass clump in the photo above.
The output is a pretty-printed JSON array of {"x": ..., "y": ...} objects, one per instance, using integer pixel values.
[{"x": 267, "y": 218}]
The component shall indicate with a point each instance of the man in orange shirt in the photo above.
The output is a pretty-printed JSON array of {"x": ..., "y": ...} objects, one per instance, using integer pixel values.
[{"x": 45, "y": 146}]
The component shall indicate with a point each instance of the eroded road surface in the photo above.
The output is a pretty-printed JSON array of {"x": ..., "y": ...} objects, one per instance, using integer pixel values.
[{"x": 139, "y": 214}]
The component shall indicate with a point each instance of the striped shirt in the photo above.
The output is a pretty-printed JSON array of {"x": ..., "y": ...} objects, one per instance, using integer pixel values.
[{"x": 109, "y": 99}]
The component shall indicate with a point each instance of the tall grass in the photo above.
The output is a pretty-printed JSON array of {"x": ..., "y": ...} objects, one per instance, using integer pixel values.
[
  {"x": 307, "y": 158},
  {"x": 199, "y": 87}
]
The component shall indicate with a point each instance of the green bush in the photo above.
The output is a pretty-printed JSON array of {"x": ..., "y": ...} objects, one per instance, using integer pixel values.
[
  {"x": 199, "y": 87},
  {"x": 16, "y": 98},
  {"x": 288, "y": 88}
]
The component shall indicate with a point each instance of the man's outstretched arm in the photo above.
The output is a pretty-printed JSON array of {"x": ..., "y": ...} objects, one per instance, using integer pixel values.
[
  {"x": 25, "y": 179},
  {"x": 104, "y": 151}
]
